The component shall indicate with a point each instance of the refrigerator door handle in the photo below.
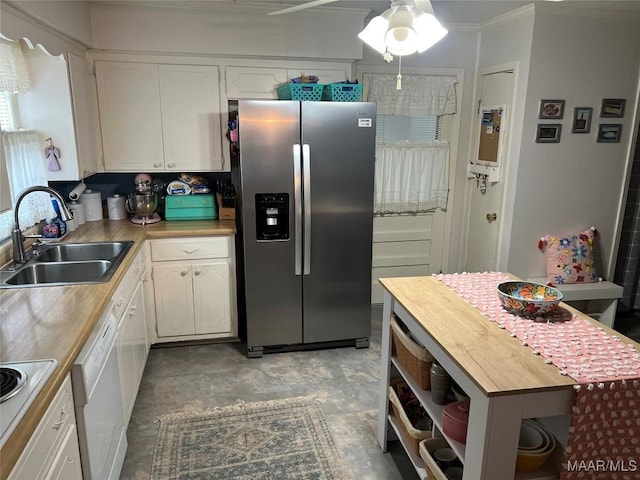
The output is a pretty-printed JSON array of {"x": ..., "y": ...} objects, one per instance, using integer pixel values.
[
  {"x": 297, "y": 207},
  {"x": 306, "y": 175}
]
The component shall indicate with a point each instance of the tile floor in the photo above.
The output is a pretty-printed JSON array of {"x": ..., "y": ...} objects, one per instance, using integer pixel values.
[{"x": 199, "y": 377}]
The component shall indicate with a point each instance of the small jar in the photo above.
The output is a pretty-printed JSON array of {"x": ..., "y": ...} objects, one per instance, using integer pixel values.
[{"x": 440, "y": 382}]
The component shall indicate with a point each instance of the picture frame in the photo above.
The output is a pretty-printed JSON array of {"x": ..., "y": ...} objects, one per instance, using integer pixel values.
[
  {"x": 551, "y": 109},
  {"x": 582, "y": 120},
  {"x": 609, "y": 132},
  {"x": 612, "y": 108},
  {"x": 548, "y": 133}
]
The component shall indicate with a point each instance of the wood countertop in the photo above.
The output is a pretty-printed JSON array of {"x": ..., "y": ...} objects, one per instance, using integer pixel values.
[
  {"x": 55, "y": 322},
  {"x": 496, "y": 362}
]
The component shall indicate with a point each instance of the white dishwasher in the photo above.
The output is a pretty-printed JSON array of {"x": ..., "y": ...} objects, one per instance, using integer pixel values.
[{"x": 98, "y": 403}]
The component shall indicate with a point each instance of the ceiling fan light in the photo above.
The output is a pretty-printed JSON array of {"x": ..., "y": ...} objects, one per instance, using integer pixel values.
[
  {"x": 373, "y": 34},
  {"x": 429, "y": 31},
  {"x": 401, "y": 40}
]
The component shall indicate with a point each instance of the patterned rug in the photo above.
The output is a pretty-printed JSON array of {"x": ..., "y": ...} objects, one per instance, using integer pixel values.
[{"x": 277, "y": 439}]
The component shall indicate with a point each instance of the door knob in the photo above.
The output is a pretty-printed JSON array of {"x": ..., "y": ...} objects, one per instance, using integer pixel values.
[{"x": 491, "y": 217}]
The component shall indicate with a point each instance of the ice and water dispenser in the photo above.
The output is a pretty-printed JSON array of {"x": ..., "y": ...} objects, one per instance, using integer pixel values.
[{"x": 272, "y": 216}]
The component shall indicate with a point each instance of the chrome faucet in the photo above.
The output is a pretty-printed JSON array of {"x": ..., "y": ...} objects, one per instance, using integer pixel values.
[{"x": 16, "y": 235}]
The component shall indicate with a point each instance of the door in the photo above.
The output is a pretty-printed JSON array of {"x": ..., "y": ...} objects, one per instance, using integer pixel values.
[
  {"x": 273, "y": 292},
  {"x": 485, "y": 213},
  {"x": 129, "y": 105},
  {"x": 338, "y": 209}
]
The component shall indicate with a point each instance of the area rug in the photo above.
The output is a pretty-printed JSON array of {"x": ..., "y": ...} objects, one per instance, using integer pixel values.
[{"x": 276, "y": 439}]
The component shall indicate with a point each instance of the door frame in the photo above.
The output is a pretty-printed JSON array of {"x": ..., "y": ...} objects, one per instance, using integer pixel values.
[{"x": 507, "y": 168}]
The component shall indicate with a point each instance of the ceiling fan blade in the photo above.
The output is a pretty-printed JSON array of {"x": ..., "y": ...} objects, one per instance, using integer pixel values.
[{"x": 304, "y": 6}]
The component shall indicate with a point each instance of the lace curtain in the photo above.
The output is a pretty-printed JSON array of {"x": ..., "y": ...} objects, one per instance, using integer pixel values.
[
  {"x": 420, "y": 95},
  {"x": 25, "y": 168},
  {"x": 411, "y": 178},
  {"x": 14, "y": 76}
]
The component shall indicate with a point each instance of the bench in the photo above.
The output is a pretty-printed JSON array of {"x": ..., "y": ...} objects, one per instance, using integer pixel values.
[{"x": 598, "y": 300}]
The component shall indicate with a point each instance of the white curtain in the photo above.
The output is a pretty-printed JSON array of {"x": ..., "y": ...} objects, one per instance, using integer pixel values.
[
  {"x": 14, "y": 76},
  {"x": 420, "y": 94},
  {"x": 411, "y": 178},
  {"x": 25, "y": 166}
]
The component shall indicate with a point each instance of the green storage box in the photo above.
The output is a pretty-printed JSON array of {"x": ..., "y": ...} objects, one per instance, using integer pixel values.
[{"x": 201, "y": 206}]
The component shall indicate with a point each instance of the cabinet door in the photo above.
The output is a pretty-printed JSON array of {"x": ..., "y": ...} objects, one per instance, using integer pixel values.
[
  {"x": 139, "y": 332},
  {"x": 130, "y": 121},
  {"x": 82, "y": 117},
  {"x": 66, "y": 464},
  {"x": 190, "y": 99},
  {"x": 174, "y": 299},
  {"x": 211, "y": 296}
]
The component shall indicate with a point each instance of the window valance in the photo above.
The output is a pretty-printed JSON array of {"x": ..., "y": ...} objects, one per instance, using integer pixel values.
[
  {"x": 14, "y": 76},
  {"x": 420, "y": 94}
]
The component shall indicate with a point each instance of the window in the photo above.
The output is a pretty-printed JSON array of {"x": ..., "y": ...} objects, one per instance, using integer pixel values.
[{"x": 396, "y": 128}]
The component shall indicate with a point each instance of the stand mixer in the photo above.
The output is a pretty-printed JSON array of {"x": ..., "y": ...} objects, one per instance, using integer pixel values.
[{"x": 143, "y": 203}]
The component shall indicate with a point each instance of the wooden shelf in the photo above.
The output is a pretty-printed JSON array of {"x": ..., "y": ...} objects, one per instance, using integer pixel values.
[{"x": 417, "y": 462}]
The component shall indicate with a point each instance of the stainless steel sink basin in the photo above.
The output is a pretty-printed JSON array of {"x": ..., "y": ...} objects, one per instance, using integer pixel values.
[
  {"x": 79, "y": 252},
  {"x": 67, "y": 264},
  {"x": 60, "y": 273}
]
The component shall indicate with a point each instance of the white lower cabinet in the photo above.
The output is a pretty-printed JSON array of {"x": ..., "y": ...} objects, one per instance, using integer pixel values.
[
  {"x": 132, "y": 349},
  {"x": 53, "y": 451},
  {"x": 193, "y": 284},
  {"x": 133, "y": 343}
]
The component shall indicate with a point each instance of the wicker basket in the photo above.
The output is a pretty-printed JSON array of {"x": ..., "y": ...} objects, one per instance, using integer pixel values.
[
  {"x": 414, "y": 435},
  {"x": 414, "y": 358},
  {"x": 426, "y": 449}
]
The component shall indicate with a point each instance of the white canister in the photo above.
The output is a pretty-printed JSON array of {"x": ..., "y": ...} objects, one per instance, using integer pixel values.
[
  {"x": 92, "y": 202},
  {"x": 78, "y": 212},
  {"x": 116, "y": 208}
]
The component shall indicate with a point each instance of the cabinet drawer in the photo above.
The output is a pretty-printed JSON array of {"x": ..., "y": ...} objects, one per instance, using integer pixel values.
[
  {"x": 39, "y": 453},
  {"x": 189, "y": 248},
  {"x": 126, "y": 287}
]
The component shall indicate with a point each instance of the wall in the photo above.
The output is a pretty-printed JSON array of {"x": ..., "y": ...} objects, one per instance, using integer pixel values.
[
  {"x": 60, "y": 26},
  {"x": 216, "y": 29},
  {"x": 566, "y": 187}
]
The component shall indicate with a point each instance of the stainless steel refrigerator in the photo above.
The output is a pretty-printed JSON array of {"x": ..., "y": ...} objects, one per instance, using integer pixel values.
[{"x": 304, "y": 178}]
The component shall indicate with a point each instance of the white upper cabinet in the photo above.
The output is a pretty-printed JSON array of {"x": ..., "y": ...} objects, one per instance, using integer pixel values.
[
  {"x": 59, "y": 108},
  {"x": 159, "y": 117}
]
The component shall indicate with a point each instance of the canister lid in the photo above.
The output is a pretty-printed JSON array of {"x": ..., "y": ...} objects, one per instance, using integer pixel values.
[{"x": 458, "y": 411}]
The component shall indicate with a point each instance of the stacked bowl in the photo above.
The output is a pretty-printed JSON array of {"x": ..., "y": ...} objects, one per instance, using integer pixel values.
[{"x": 535, "y": 446}]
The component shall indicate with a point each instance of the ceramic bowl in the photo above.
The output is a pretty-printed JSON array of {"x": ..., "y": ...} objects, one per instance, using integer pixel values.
[
  {"x": 528, "y": 460},
  {"x": 529, "y": 299},
  {"x": 530, "y": 438}
]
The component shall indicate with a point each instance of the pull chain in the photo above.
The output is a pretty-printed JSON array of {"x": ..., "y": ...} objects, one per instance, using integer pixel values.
[{"x": 399, "y": 77}]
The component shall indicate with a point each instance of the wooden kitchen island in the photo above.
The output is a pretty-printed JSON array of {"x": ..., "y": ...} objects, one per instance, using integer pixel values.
[{"x": 505, "y": 381}]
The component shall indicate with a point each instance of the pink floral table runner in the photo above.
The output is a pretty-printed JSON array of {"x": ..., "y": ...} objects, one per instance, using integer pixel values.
[{"x": 604, "y": 438}]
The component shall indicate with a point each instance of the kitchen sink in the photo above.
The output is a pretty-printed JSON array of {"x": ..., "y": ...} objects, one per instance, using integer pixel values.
[
  {"x": 67, "y": 264},
  {"x": 80, "y": 252},
  {"x": 60, "y": 273}
]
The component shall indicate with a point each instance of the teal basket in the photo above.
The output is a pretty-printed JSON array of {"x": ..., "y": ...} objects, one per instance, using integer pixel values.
[
  {"x": 306, "y": 92},
  {"x": 342, "y": 92}
]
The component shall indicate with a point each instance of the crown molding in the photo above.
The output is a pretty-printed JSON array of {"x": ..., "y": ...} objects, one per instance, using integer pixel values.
[{"x": 522, "y": 12}]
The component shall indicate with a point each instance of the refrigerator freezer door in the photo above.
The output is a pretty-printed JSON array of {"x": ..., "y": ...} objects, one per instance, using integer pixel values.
[
  {"x": 268, "y": 132},
  {"x": 337, "y": 291}
]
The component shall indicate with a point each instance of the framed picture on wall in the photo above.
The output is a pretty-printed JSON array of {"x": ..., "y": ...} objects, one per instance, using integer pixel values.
[
  {"x": 612, "y": 108},
  {"x": 548, "y": 133},
  {"x": 551, "y": 109},
  {"x": 609, "y": 132},
  {"x": 582, "y": 119}
]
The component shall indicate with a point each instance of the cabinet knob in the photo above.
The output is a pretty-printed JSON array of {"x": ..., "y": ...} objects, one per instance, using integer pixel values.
[
  {"x": 57, "y": 425},
  {"x": 171, "y": 165},
  {"x": 183, "y": 273},
  {"x": 157, "y": 165},
  {"x": 196, "y": 273}
]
